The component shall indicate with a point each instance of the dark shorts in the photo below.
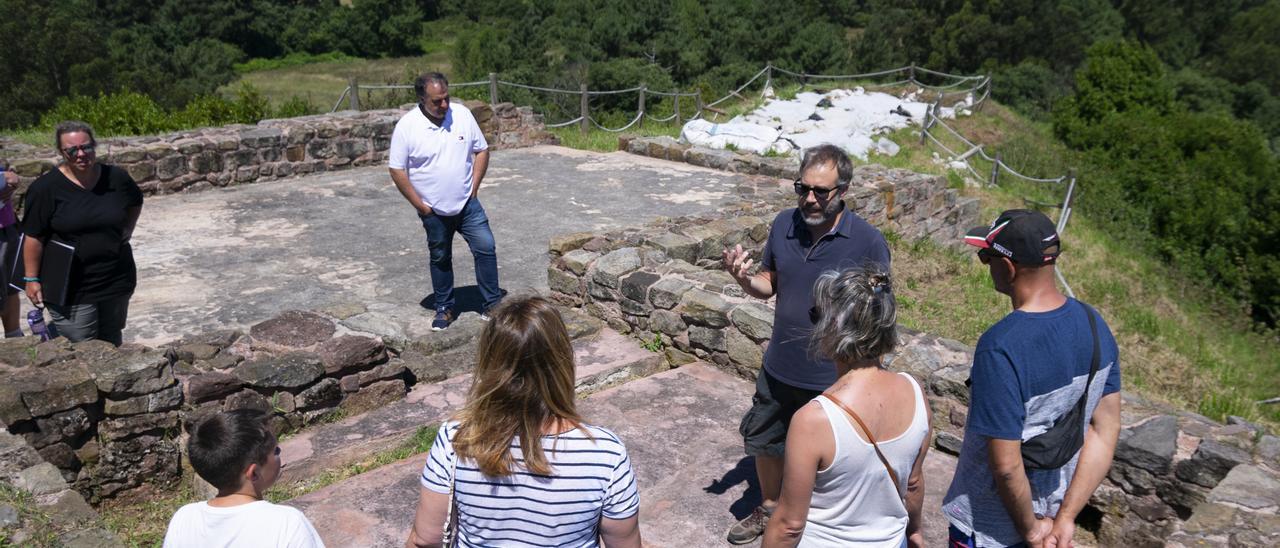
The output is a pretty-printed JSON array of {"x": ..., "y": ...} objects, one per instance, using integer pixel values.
[
  {"x": 764, "y": 427},
  {"x": 10, "y": 236}
]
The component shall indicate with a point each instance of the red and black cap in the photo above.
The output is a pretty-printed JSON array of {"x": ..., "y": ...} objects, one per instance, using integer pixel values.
[{"x": 1025, "y": 236}]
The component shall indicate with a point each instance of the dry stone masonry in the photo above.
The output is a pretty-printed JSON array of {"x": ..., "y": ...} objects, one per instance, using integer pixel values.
[
  {"x": 106, "y": 420},
  {"x": 274, "y": 149},
  {"x": 39, "y": 507},
  {"x": 1178, "y": 478}
]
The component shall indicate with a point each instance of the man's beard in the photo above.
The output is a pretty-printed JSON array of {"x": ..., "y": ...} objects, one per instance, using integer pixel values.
[{"x": 818, "y": 217}]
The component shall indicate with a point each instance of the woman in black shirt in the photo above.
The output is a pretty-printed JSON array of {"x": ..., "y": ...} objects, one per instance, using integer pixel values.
[{"x": 94, "y": 208}]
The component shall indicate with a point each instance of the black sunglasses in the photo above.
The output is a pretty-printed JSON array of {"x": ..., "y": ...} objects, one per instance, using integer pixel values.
[
  {"x": 820, "y": 193},
  {"x": 73, "y": 151}
]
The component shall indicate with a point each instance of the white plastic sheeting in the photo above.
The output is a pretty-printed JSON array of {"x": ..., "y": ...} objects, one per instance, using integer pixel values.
[{"x": 850, "y": 122}]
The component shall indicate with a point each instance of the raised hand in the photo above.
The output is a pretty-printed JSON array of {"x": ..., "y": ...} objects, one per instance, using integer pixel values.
[{"x": 737, "y": 263}]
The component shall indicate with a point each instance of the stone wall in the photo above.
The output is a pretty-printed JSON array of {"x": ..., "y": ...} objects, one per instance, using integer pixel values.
[
  {"x": 108, "y": 419},
  {"x": 668, "y": 148},
  {"x": 273, "y": 149},
  {"x": 665, "y": 280},
  {"x": 1178, "y": 477},
  {"x": 48, "y": 512}
]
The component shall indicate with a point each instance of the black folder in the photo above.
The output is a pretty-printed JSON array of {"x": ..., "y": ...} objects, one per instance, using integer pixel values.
[{"x": 55, "y": 270}]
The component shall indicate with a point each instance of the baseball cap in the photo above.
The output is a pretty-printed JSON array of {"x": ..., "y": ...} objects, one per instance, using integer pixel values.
[{"x": 1025, "y": 236}]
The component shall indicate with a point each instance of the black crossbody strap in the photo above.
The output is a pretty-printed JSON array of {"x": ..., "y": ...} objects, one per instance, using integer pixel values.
[{"x": 1097, "y": 353}]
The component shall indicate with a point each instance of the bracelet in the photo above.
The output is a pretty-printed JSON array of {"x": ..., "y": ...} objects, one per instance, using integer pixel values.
[{"x": 30, "y": 278}]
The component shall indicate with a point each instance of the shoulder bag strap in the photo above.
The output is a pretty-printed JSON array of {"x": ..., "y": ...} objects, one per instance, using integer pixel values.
[
  {"x": 1097, "y": 353},
  {"x": 449, "y": 538},
  {"x": 852, "y": 415}
]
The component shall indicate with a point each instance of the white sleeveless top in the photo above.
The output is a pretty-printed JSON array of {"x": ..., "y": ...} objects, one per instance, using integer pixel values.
[{"x": 854, "y": 501}]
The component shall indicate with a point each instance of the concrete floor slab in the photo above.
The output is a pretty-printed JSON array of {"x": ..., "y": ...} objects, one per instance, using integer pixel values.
[{"x": 233, "y": 257}]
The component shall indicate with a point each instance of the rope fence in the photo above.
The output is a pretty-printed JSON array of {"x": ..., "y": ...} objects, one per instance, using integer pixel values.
[
  {"x": 586, "y": 120},
  {"x": 929, "y": 133},
  {"x": 933, "y": 129}
]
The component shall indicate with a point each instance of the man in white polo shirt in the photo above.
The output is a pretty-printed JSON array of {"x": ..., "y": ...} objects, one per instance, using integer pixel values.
[{"x": 437, "y": 159}]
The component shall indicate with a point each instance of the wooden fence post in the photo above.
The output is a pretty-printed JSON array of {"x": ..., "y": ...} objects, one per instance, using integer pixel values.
[
  {"x": 924, "y": 126},
  {"x": 697, "y": 101},
  {"x": 676, "y": 104},
  {"x": 768, "y": 76},
  {"x": 585, "y": 124},
  {"x": 911, "y": 73},
  {"x": 995, "y": 168},
  {"x": 493, "y": 88},
  {"x": 353, "y": 102},
  {"x": 640, "y": 106}
]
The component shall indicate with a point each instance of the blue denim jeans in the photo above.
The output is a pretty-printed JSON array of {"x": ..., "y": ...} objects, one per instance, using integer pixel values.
[{"x": 473, "y": 224}]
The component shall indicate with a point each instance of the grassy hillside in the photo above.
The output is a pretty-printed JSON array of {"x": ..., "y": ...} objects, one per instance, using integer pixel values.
[
  {"x": 320, "y": 84},
  {"x": 1178, "y": 343}
]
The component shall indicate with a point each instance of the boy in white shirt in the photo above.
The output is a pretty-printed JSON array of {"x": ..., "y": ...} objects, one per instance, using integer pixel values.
[{"x": 236, "y": 453}]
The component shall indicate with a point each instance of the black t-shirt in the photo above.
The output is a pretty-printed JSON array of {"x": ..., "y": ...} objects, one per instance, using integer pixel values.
[{"x": 93, "y": 220}]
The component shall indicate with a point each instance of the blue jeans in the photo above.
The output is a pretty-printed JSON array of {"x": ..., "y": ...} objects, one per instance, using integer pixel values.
[{"x": 474, "y": 226}]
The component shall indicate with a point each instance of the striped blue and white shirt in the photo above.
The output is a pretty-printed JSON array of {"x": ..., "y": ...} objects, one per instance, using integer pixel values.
[{"x": 591, "y": 478}]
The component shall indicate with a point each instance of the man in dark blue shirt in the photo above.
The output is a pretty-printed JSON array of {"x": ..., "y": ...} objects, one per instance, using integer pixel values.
[
  {"x": 820, "y": 234},
  {"x": 1044, "y": 363}
]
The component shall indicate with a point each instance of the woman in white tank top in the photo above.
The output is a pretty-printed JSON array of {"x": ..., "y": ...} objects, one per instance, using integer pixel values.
[{"x": 837, "y": 489}]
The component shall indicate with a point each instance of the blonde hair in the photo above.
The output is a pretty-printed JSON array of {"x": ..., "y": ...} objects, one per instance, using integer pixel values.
[{"x": 523, "y": 380}]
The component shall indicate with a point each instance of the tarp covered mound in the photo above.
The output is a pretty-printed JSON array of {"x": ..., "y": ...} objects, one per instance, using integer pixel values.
[{"x": 846, "y": 118}]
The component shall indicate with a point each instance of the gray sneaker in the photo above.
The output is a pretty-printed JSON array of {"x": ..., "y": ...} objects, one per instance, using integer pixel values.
[{"x": 750, "y": 528}]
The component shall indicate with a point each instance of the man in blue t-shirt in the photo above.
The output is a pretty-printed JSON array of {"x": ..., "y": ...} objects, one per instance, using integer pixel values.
[
  {"x": 1030, "y": 371},
  {"x": 820, "y": 234}
]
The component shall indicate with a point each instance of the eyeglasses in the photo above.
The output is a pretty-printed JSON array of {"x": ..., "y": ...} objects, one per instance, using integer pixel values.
[
  {"x": 820, "y": 193},
  {"x": 74, "y": 151}
]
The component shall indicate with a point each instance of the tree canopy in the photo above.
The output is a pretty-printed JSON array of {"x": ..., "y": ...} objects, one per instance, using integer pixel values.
[{"x": 1172, "y": 106}]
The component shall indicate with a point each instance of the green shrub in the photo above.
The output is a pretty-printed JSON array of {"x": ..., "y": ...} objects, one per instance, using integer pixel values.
[
  {"x": 247, "y": 107},
  {"x": 1030, "y": 87},
  {"x": 130, "y": 113},
  {"x": 295, "y": 106},
  {"x": 123, "y": 113},
  {"x": 291, "y": 60},
  {"x": 1117, "y": 77}
]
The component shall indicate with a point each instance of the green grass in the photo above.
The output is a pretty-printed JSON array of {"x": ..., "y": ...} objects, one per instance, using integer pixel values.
[
  {"x": 291, "y": 60},
  {"x": 604, "y": 141},
  {"x": 419, "y": 443},
  {"x": 1179, "y": 342},
  {"x": 141, "y": 522},
  {"x": 39, "y": 529},
  {"x": 32, "y": 136},
  {"x": 322, "y": 83}
]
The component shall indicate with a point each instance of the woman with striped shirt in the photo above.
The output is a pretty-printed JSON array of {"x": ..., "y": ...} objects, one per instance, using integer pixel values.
[{"x": 572, "y": 486}]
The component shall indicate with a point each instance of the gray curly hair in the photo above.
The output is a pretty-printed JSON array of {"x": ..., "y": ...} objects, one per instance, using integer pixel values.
[{"x": 856, "y": 315}]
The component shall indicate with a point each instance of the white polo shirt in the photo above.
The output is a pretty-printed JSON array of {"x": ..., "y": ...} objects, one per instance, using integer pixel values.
[{"x": 438, "y": 158}]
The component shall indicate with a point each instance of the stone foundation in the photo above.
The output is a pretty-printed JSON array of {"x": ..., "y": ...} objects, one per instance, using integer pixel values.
[
  {"x": 54, "y": 514},
  {"x": 106, "y": 420},
  {"x": 274, "y": 149},
  {"x": 1178, "y": 477}
]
